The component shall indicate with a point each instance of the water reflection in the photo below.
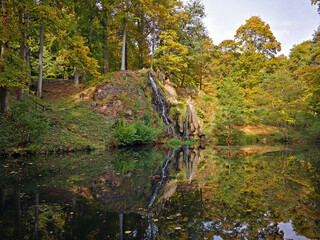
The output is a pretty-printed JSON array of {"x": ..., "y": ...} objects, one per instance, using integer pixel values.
[
  {"x": 149, "y": 193},
  {"x": 247, "y": 197}
]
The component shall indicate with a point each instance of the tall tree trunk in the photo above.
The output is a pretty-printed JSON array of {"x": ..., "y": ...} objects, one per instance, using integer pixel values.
[
  {"x": 140, "y": 38},
  {"x": 104, "y": 23},
  {"x": 76, "y": 75},
  {"x": 123, "y": 57},
  {"x": 28, "y": 59},
  {"x": 84, "y": 76},
  {"x": 4, "y": 103},
  {"x": 39, "y": 92},
  {"x": 23, "y": 54}
]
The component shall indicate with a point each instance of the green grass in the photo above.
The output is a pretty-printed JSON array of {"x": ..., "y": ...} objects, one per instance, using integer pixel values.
[
  {"x": 72, "y": 126},
  {"x": 75, "y": 126}
]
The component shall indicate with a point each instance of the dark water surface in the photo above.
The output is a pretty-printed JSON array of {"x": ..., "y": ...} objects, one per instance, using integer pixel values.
[{"x": 149, "y": 193}]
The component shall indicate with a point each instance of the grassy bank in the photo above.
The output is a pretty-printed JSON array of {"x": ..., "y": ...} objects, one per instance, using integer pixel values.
[
  {"x": 79, "y": 119},
  {"x": 66, "y": 126}
]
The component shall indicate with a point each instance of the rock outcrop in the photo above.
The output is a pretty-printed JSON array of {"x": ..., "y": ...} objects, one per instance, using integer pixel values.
[
  {"x": 181, "y": 119},
  {"x": 186, "y": 123}
]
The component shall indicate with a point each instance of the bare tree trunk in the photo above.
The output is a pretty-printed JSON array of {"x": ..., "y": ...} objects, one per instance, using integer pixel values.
[
  {"x": 182, "y": 82},
  {"x": 28, "y": 61},
  {"x": 39, "y": 92},
  {"x": 123, "y": 57},
  {"x": 104, "y": 22},
  {"x": 84, "y": 76},
  {"x": 4, "y": 103},
  {"x": 23, "y": 54},
  {"x": 76, "y": 75},
  {"x": 140, "y": 38}
]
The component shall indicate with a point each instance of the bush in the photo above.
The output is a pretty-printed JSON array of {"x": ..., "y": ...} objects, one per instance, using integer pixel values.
[
  {"x": 144, "y": 133},
  {"x": 29, "y": 125},
  {"x": 127, "y": 134}
]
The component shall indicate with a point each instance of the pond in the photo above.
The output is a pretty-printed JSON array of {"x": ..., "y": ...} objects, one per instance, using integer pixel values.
[{"x": 254, "y": 192}]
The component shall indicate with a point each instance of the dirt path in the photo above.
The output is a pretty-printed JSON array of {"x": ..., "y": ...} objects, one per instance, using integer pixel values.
[{"x": 60, "y": 89}]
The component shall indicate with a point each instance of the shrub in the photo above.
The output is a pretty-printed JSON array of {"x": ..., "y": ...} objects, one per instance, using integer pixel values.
[
  {"x": 127, "y": 134},
  {"x": 144, "y": 133},
  {"x": 29, "y": 125}
]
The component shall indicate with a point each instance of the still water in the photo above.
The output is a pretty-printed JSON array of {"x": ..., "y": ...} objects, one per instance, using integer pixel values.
[{"x": 150, "y": 193}]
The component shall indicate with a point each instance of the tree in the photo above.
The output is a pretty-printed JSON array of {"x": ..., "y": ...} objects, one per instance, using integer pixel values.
[
  {"x": 195, "y": 37},
  {"x": 12, "y": 67},
  {"x": 256, "y": 36},
  {"x": 316, "y": 2},
  {"x": 283, "y": 98},
  {"x": 247, "y": 70},
  {"x": 230, "y": 112},
  {"x": 301, "y": 54},
  {"x": 104, "y": 20},
  {"x": 124, "y": 34},
  {"x": 171, "y": 55},
  {"x": 76, "y": 53}
]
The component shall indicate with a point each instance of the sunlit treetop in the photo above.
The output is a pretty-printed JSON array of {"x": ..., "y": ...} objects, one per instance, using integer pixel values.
[
  {"x": 256, "y": 36},
  {"x": 229, "y": 46}
]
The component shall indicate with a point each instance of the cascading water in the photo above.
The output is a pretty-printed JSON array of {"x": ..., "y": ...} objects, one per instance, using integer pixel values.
[
  {"x": 161, "y": 101},
  {"x": 186, "y": 130}
]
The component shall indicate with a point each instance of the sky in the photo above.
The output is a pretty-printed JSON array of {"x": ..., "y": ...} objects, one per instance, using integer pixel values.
[{"x": 291, "y": 21}]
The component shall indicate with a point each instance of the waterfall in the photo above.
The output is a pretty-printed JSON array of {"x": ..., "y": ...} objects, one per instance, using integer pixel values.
[
  {"x": 186, "y": 130},
  {"x": 162, "y": 102},
  {"x": 164, "y": 176}
]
